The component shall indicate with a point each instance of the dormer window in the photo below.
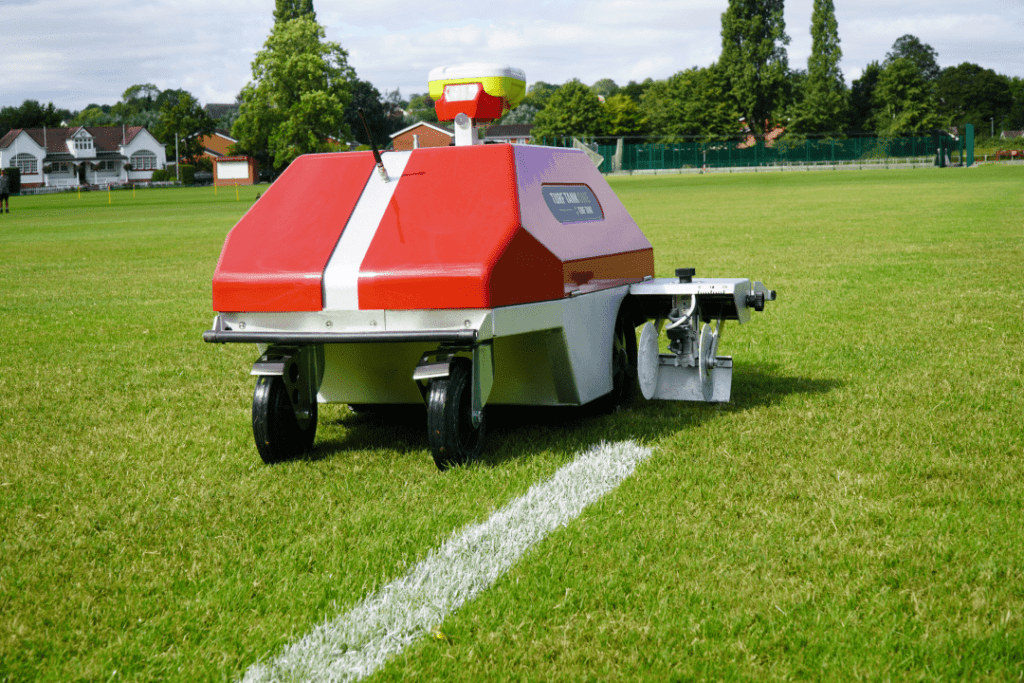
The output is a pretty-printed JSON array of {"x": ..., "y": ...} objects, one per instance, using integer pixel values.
[{"x": 82, "y": 145}]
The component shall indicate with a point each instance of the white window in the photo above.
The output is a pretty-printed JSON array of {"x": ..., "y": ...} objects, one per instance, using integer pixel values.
[
  {"x": 60, "y": 167},
  {"x": 106, "y": 165},
  {"x": 26, "y": 163},
  {"x": 143, "y": 160}
]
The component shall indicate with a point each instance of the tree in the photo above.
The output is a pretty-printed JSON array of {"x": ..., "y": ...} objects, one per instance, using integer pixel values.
[
  {"x": 421, "y": 108},
  {"x": 170, "y": 97},
  {"x": 366, "y": 97},
  {"x": 624, "y": 116},
  {"x": 922, "y": 55},
  {"x": 525, "y": 113},
  {"x": 536, "y": 99},
  {"x": 904, "y": 101},
  {"x": 969, "y": 93},
  {"x": 635, "y": 91},
  {"x": 539, "y": 94},
  {"x": 573, "y": 109},
  {"x": 32, "y": 114},
  {"x": 796, "y": 90},
  {"x": 286, "y": 10},
  {"x": 693, "y": 102},
  {"x": 297, "y": 97},
  {"x": 394, "y": 106},
  {"x": 141, "y": 97},
  {"x": 93, "y": 115},
  {"x": 138, "y": 106},
  {"x": 1015, "y": 120},
  {"x": 754, "y": 59},
  {"x": 187, "y": 119},
  {"x": 862, "y": 99},
  {"x": 825, "y": 101},
  {"x": 605, "y": 88}
]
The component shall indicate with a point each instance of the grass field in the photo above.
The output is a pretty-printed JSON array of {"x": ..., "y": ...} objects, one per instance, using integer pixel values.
[{"x": 856, "y": 513}]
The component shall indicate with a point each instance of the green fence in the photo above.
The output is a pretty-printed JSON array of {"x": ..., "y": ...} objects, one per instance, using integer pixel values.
[{"x": 638, "y": 155}]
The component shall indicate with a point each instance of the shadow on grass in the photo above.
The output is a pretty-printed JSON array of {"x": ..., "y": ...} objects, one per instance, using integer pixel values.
[
  {"x": 519, "y": 431},
  {"x": 401, "y": 428}
]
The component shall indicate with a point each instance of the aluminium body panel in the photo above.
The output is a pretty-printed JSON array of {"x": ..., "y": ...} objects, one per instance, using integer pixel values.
[{"x": 548, "y": 353}]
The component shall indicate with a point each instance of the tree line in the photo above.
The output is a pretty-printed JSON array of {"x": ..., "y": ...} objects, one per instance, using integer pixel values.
[
  {"x": 165, "y": 113},
  {"x": 751, "y": 87},
  {"x": 304, "y": 96}
]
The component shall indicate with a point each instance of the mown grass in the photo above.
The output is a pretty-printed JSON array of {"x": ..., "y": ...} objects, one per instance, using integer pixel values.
[{"x": 855, "y": 513}]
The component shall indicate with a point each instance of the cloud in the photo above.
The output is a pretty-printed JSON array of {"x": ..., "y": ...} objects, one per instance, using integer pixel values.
[{"x": 73, "y": 53}]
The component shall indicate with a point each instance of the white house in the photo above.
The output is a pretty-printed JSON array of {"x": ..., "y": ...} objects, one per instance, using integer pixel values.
[{"x": 69, "y": 157}]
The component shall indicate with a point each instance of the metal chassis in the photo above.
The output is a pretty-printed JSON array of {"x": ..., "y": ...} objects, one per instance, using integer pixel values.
[{"x": 693, "y": 371}]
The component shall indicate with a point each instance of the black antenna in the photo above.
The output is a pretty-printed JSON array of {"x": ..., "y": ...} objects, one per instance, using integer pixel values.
[{"x": 373, "y": 146}]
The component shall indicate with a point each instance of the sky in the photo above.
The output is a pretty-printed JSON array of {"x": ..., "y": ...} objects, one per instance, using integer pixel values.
[{"x": 74, "y": 53}]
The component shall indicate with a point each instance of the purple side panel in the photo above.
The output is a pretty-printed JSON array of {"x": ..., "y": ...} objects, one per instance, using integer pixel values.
[{"x": 616, "y": 234}]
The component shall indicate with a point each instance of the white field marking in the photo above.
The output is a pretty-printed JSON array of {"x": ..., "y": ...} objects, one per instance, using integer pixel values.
[
  {"x": 341, "y": 276},
  {"x": 355, "y": 644}
]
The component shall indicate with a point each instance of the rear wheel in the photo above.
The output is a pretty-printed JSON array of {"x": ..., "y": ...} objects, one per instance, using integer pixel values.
[
  {"x": 279, "y": 433},
  {"x": 453, "y": 438},
  {"x": 624, "y": 372}
]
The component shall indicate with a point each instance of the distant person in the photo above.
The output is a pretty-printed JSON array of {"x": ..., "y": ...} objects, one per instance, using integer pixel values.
[{"x": 5, "y": 192}]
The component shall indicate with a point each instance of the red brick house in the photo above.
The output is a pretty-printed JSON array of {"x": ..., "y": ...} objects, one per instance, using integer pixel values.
[
  {"x": 516, "y": 133},
  {"x": 422, "y": 134},
  {"x": 218, "y": 144}
]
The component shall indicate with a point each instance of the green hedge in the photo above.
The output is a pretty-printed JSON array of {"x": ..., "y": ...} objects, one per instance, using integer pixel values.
[{"x": 13, "y": 179}]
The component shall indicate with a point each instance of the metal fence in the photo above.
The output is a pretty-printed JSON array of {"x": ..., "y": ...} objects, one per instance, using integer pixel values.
[{"x": 628, "y": 155}]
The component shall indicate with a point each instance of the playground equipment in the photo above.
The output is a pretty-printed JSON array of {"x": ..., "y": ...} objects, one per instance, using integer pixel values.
[{"x": 460, "y": 277}]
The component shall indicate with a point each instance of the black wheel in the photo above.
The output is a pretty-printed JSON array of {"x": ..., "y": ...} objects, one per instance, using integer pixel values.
[
  {"x": 279, "y": 433},
  {"x": 624, "y": 372},
  {"x": 453, "y": 438}
]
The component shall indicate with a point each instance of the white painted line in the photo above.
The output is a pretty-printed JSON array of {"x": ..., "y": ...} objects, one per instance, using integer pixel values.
[
  {"x": 341, "y": 276},
  {"x": 355, "y": 644}
]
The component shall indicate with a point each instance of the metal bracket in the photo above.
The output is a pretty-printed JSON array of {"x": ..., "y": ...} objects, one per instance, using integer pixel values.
[
  {"x": 301, "y": 368},
  {"x": 437, "y": 365},
  {"x": 483, "y": 379},
  {"x": 433, "y": 365}
]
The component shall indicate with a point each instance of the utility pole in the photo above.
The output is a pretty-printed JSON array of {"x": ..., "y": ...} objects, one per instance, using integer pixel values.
[{"x": 177, "y": 160}]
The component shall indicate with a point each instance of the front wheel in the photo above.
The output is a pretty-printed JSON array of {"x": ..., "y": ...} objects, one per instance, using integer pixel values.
[
  {"x": 453, "y": 438},
  {"x": 279, "y": 433}
]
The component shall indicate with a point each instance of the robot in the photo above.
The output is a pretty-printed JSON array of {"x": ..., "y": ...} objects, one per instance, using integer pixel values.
[{"x": 460, "y": 277}]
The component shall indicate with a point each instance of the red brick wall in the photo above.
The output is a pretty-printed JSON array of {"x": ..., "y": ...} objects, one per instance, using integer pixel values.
[
  {"x": 429, "y": 137},
  {"x": 217, "y": 144},
  {"x": 251, "y": 180}
]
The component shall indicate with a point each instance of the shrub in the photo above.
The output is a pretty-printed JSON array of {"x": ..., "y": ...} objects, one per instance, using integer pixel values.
[
  {"x": 14, "y": 179},
  {"x": 203, "y": 164},
  {"x": 188, "y": 174},
  {"x": 160, "y": 175}
]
